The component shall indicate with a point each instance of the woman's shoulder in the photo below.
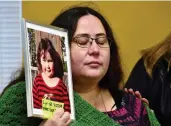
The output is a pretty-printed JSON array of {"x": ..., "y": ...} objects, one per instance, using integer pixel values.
[
  {"x": 162, "y": 63},
  {"x": 140, "y": 62},
  {"x": 13, "y": 105},
  {"x": 13, "y": 93},
  {"x": 139, "y": 79},
  {"x": 139, "y": 67},
  {"x": 18, "y": 88},
  {"x": 139, "y": 71}
]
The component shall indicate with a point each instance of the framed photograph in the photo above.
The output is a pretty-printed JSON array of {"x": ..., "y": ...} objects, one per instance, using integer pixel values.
[{"x": 47, "y": 69}]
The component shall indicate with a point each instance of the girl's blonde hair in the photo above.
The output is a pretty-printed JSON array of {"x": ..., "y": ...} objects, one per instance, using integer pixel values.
[{"x": 153, "y": 54}]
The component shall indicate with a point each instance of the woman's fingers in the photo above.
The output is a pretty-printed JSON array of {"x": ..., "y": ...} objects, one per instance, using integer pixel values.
[
  {"x": 137, "y": 94},
  {"x": 65, "y": 117},
  {"x": 131, "y": 91},
  {"x": 59, "y": 118},
  {"x": 68, "y": 122},
  {"x": 58, "y": 113},
  {"x": 125, "y": 90},
  {"x": 62, "y": 118},
  {"x": 146, "y": 101}
]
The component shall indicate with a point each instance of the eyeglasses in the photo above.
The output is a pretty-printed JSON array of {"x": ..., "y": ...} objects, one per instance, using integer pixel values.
[{"x": 86, "y": 42}]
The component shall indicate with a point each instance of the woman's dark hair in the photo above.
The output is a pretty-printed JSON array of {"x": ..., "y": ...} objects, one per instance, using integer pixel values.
[
  {"x": 46, "y": 45},
  {"x": 68, "y": 19}
]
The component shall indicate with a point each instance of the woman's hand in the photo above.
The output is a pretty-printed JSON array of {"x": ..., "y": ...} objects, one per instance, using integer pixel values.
[
  {"x": 137, "y": 94},
  {"x": 60, "y": 118}
]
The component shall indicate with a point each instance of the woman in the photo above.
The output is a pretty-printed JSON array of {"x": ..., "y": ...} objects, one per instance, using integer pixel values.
[
  {"x": 97, "y": 73},
  {"x": 151, "y": 76}
]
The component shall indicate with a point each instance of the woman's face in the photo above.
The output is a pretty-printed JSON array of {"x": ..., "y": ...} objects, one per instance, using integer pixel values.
[
  {"x": 91, "y": 62},
  {"x": 47, "y": 64}
]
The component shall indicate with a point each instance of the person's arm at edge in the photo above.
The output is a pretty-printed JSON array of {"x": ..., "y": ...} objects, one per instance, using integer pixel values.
[{"x": 139, "y": 78}]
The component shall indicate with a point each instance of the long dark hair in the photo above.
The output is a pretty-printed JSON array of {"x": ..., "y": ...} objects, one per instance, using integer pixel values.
[
  {"x": 68, "y": 19},
  {"x": 46, "y": 45}
]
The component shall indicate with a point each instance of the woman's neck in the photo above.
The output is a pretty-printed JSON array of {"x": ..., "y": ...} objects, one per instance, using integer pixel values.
[
  {"x": 91, "y": 95},
  {"x": 101, "y": 99},
  {"x": 88, "y": 90},
  {"x": 85, "y": 86}
]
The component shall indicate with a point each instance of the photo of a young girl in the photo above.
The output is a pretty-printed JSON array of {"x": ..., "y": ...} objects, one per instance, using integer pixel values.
[{"x": 49, "y": 81}]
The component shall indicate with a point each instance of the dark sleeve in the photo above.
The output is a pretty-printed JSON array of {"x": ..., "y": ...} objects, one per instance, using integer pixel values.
[{"x": 139, "y": 79}]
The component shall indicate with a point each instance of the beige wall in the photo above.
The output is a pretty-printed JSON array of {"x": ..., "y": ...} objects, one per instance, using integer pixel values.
[{"x": 136, "y": 25}]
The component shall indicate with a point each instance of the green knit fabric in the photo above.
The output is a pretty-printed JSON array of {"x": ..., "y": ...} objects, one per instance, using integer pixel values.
[
  {"x": 13, "y": 107},
  {"x": 13, "y": 111},
  {"x": 86, "y": 115},
  {"x": 151, "y": 116}
]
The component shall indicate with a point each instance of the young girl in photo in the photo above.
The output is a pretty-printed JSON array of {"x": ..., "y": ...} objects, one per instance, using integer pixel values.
[{"x": 48, "y": 83}]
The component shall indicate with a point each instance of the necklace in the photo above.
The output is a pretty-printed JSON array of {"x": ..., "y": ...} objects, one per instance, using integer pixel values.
[{"x": 104, "y": 103}]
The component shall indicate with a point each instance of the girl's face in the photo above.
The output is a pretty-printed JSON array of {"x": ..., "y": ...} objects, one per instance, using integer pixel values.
[
  {"x": 93, "y": 61},
  {"x": 47, "y": 64}
]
